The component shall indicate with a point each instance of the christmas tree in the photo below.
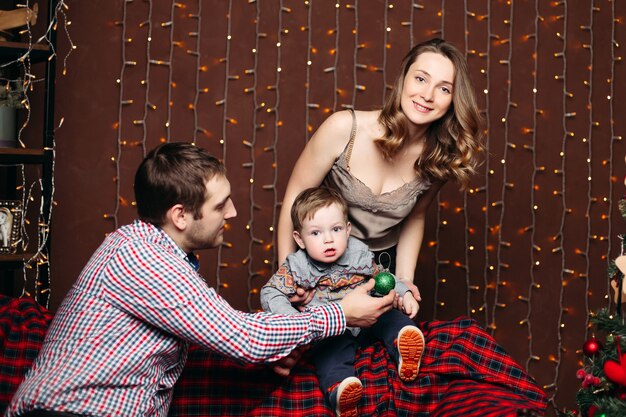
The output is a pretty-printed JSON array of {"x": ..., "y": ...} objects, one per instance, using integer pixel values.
[{"x": 603, "y": 375}]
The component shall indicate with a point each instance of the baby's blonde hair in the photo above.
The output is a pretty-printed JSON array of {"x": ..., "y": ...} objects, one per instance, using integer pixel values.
[{"x": 309, "y": 201}]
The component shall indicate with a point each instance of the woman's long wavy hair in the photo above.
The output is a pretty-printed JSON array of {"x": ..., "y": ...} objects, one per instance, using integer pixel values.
[{"x": 453, "y": 143}]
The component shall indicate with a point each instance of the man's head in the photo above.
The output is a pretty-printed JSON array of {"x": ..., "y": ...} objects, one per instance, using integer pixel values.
[
  {"x": 320, "y": 222},
  {"x": 174, "y": 173},
  {"x": 183, "y": 189}
]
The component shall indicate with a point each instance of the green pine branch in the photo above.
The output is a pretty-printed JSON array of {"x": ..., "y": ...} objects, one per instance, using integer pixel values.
[
  {"x": 612, "y": 324},
  {"x": 606, "y": 396}
]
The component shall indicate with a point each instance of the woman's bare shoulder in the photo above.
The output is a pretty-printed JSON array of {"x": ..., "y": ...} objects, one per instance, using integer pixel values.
[
  {"x": 368, "y": 115},
  {"x": 367, "y": 122},
  {"x": 334, "y": 131},
  {"x": 339, "y": 120}
]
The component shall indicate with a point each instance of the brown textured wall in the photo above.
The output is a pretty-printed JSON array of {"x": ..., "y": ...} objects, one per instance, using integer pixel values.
[{"x": 491, "y": 219}]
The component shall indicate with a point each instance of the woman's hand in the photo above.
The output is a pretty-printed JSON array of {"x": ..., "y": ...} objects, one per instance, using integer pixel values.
[
  {"x": 414, "y": 290},
  {"x": 399, "y": 302},
  {"x": 408, "y": 304}
]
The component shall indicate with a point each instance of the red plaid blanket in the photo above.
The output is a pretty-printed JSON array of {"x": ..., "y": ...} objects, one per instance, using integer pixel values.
[
  {"x": 23, "y": 325},
  {"x": 464, "y": 372}
]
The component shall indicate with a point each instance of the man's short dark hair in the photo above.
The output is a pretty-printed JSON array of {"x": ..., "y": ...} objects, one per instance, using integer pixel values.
[{"x": 174, "y": 173}]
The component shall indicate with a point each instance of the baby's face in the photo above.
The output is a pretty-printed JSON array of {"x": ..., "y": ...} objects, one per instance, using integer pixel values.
[{"x": 325, "y": 235}]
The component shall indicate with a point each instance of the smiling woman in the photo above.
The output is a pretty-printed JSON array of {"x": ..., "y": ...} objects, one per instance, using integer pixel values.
[
  {"x": 427, "y": 91},
  {"x": 389, "y": 164}
]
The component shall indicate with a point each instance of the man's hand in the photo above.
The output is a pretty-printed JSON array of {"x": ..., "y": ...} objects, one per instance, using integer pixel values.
[
  {"x": 301, "y": 298},
  {"x": 284, "y": 366},
  {"x": 363, "y": 310}
]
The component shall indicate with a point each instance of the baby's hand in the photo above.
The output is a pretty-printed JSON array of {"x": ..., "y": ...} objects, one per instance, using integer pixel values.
[
  {"x": 410, "y": 305},
  {"x": 301, "y": 298}
]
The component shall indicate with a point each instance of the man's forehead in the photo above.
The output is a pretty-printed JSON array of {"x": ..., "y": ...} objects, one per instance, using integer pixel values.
[{"x": 218, "y": 187}]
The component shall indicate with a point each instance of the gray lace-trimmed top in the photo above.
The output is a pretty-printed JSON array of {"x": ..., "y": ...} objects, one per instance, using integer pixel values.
[{"x": 376, "y": 219}]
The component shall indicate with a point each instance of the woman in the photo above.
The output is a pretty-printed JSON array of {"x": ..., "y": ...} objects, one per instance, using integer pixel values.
[{"x": 389, "y": 164}]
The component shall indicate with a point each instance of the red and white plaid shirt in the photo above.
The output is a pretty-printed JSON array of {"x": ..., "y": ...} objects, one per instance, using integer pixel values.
[{"x": 119, "y": 340}]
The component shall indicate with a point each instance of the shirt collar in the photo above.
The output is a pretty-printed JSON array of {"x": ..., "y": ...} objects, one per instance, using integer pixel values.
[{"x": 164, "y": 239}]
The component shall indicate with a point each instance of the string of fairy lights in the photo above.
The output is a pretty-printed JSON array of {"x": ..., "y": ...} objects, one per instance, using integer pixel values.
[
  {"x": 170, "y": 70},
  {"x": 588, "y": 141},
  {"x": 147, "y": 25},
  {"x": 532, "y": 250},
  {"x": 335, "y": 53},
  {"x": 43, "y": 226},
  {"x": 355, "y": 55},
  {"x": 556, "y": 358},
  {"x": 252, "y": 164},
  {"x": 614, "y": 137},
  {"x": 487, "y": 169},
  {"x": 31, "y": 190},
  {"x": 257, "y": 271},
  {"x": 466, "y": 220},
  {"x": 120, "y": 111},
  {"x": 226, "y": 120},
  {"x": 383, "y": 66},
  {"x": 274, "y": 148},
  {"x": 488, "y": 212},
  {"x": 505, "y": 184},
  {"x": 199, "y": 88},
  {"x": 197, "y": 17},
  {"x": 307, "y": 85}
]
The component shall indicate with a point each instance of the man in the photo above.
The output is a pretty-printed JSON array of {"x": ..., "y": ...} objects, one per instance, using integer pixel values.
[{"x": 119, "y": 340}]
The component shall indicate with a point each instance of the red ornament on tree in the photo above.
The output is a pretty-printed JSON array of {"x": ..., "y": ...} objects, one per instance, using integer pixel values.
[{"x": 591, "y": 347}]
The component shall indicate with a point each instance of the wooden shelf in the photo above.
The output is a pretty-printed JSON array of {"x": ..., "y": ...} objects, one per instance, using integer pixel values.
[
  {"x": 11, "y": 56},
  {"x": 15, "y": 260},
  {"x": 11, "y": 51},
  {"x": 9, "y": 156}
]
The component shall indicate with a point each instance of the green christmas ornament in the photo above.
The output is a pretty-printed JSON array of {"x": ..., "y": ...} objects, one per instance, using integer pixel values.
[{"x": 384, "y": 283}]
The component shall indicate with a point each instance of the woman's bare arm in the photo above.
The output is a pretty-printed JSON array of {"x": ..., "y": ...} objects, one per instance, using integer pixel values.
[
  {"x": 411, "y": 236},
  {"x": 314, "y": 163}
]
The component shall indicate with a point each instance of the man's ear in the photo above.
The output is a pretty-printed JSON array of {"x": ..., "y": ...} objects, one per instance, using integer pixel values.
[
  {"x": 177, "y": 217},
  {"x": 298, "y": 239}
]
